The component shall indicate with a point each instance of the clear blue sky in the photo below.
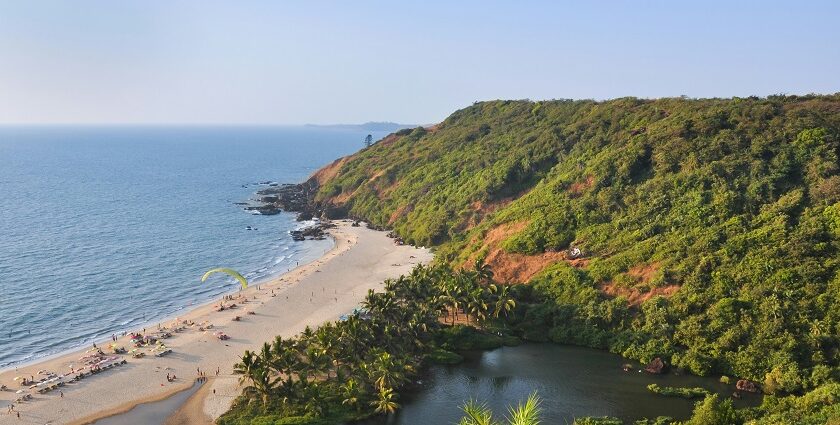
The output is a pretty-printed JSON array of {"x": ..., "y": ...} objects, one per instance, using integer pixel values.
[{"x": 272, "y": 62}]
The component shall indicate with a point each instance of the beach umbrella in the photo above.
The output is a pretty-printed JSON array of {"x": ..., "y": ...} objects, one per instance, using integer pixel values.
[{"x": 231, "y": 272}]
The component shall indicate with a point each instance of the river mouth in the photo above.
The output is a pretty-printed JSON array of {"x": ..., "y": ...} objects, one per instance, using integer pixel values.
[{"x": 571, "y": 382}]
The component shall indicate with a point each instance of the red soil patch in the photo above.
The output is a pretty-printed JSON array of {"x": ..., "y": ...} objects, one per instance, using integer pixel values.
[
  {"x": 389, "y": 139},
  {"x": 345, "y": 196},
  {"x": 376, "y": 175},
  {"x": 399, "y": 212},
  {"x": 578, "y": 187},
  {"x": 329, "y": 172},
  {"x": 342, "y": 197},
  {"x": 481, "y": 209},
  {"x": 485, "y": 208},
  {"x": 510, "y": 267},
  {"x": 634, "y": 296},
  {"x": 643, "y": 273},
  {"x": 382, "y": 187},
  {"x": 580, "y": 263}
]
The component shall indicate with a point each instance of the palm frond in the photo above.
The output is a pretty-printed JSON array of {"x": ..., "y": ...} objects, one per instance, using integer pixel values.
[
  {"x": 477, "y": 414},
  {"x": 527, "y": 413}
]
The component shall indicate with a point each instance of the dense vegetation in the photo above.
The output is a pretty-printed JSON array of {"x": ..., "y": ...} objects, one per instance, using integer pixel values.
[
  {"x": 352, "y": 369},
  {"x": 710, "y": 228}
]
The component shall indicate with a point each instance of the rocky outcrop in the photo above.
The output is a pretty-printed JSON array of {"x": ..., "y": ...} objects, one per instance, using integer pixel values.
[
  {"x": 314, "y": 232},
  {"x": 266, "y": 209},
  {"x": 656, "y": 366},
  {"x": 746, "y": 386},
  {"x": 297, "y": 198}
]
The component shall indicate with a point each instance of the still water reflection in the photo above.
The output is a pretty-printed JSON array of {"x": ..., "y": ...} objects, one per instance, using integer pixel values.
[{"x": 572, "y": 382}]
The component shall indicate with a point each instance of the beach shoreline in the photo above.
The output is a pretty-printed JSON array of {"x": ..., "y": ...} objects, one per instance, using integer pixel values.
[
  {"x": 167, "y": 318},
  {"x": 360, "y": 259}
]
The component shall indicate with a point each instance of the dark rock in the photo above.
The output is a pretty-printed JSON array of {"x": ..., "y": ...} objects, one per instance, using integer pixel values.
[
  {"x": 314, "y": 232},
  {"x": 746, "y": 386},
  {"x": 291, "y": 197},
  {"x": 304, "y": 216},
  {"x": 656, "y": 366},
  {"x": 264, "y": 209}
]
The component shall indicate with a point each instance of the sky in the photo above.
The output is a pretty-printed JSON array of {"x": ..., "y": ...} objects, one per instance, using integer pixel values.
[{"x": 295, "y": 62}]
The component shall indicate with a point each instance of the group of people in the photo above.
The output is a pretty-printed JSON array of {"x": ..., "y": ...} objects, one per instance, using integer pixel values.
[{"x": 202, "y": 376}]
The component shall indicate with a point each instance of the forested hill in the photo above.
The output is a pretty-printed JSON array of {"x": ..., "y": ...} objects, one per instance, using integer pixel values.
[{"x": 709, "y": 229}]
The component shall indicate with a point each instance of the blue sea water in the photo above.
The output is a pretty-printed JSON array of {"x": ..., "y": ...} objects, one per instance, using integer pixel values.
[{"x": 105, "y": 229}]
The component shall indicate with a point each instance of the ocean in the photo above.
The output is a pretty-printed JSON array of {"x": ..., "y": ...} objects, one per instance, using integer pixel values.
[{"x": 106, "y": 229}]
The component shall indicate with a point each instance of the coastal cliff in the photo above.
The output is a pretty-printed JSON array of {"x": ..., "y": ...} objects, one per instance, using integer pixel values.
[{"x": 704, "y": 232}]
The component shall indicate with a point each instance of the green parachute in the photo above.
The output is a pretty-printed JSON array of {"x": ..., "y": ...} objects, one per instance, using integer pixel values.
[{"x": 231, "y": 272}]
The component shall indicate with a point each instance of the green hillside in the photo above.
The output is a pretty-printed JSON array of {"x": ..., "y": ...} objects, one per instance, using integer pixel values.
[{"x": 709, "y": 229}]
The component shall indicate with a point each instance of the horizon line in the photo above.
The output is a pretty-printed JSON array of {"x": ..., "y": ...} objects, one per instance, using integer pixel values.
[{"x": 187, "y": 124}]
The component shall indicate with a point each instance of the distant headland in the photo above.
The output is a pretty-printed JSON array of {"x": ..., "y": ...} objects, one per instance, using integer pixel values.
[{"x": 368, "y": 126}]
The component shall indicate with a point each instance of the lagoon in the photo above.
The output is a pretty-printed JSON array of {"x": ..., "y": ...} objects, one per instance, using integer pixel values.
[{"x": 571, "y": 381}]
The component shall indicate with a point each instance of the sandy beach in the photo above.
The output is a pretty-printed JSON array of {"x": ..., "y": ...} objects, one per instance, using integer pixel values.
[{"x": 309, "y": 295}]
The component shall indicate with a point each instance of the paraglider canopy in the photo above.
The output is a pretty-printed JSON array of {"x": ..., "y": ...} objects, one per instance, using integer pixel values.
[{"x": 231, "y": 272}]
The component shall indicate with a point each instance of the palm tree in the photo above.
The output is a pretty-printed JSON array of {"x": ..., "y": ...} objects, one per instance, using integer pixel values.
[
  {"x": 523, "y": 414},
  {"x": 476, "y": 306},
  {"x": 254, "y": 370},
  {"x": 386, "y": 371},
  {"x": 453, "y": 297},
  {"x": 351, "y": 393},
  {"x": 385, "y": 403},
  {"x": 483, "y": 270},
  {"x": 246, "y": 366},
  {"x": 504, "y": 302},
  {"x": 317, "y": 362}
]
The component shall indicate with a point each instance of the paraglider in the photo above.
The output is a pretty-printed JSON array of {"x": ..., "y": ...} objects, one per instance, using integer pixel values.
[{"x": 231, "y": 272}]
